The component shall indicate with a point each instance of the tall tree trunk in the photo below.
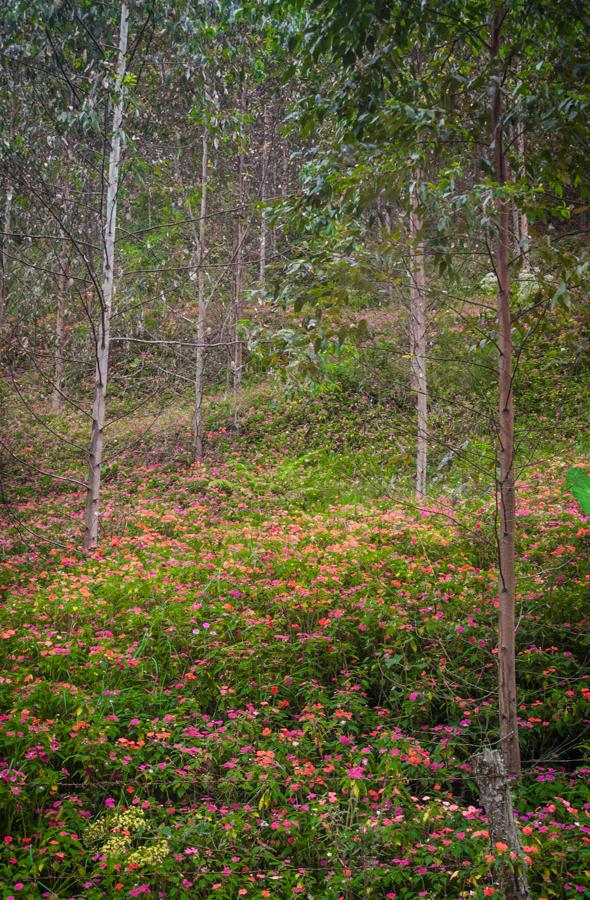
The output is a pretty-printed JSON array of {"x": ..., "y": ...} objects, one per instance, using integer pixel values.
[
  {"x": 58, "y": 358},
  {"x": 106, "y": 299},
  {"x": 285, "y": 174},
  {"x": 265, "y": 155},
  {"x": 523, "y": 219},
  {"x": 418, "y": 340},
  {"x": 494, "y": 786},
  {"x": 202, "y": 308},
  {"x": 5, "y": 239},
  {"x": 506, "y": 488},
  {"x": 386, "y": 230},
  {"x": 239, "y": 234}
]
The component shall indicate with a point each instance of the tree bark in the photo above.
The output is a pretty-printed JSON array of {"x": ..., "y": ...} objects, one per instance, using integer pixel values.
[
  {"x": 106, "y": 298},
  {"x": 494, "y": 788},
  {"x": 265, "y": 155},
  {"x": 58, "y": 358},
  {"x": 418, "y": 340},
  {"x": 523, "y": 219},
  {"x": 386, "y": 230},
  {"x": 5, "y": 239},
  {"x": 202, "y": 308},
  {"x": 286, "y": 171},
  {"x": 238, "y": 286},
  {"x": 506, "y": 488}
]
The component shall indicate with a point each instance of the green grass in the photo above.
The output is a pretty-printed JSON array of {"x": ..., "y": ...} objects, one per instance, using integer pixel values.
[{"x": 281, "y": 667}]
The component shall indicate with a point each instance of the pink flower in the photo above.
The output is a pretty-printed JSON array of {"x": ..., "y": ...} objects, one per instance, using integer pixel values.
[{"x": 109, "y": 803}]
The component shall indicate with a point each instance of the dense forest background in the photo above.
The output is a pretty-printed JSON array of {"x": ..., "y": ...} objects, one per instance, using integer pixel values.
[{"x": 294, "y": 353}]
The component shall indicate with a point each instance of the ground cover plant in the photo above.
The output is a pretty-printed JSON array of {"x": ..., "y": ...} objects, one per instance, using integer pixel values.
[
  {"x": 243, "y": 696},
  {"x": 294, "y": 449}
]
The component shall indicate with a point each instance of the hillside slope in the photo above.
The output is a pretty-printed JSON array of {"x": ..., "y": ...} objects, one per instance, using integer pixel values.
[{"x": 271, "y": 678}]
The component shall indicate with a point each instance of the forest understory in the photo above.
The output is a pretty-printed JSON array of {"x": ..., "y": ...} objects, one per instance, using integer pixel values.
[
  {"x": 294, "y": 449},
  {"x": 271, "y": 680}
]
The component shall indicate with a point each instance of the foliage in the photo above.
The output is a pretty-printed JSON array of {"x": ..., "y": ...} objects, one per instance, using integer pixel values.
[
  {"x": 247, "y": 694},
  {"x": 579, "y": 483},
  {"x": 271, "y": 678}
]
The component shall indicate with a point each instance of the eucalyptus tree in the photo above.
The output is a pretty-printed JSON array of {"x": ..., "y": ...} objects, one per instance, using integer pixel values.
[
  {"x": 202, "y": 303},
  {"x": 57, "y": 393},
  {"x": 483, "y": 57},
  {"x": 193, "y": 69},
  {"x": 79, "y": 104},
  {"x": 265, "y": 154},
  {"x": 6, "y": 223},
  {"x": 418, "y": 337},
  {"x": 106, "y": 294},
  {"x": 252, "y": 54}
]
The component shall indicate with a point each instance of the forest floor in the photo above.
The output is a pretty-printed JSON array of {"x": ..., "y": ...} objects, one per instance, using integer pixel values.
[{"x": 271, "y": 678}]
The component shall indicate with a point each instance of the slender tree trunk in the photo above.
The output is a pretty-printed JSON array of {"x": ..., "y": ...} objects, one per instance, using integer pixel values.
[
  {"x": 523, "y": 219},
  {"x": 386, "y": 236},
  {"x": 418, "y": 340},
  {"x": 285, "y": 175},
  {"x": 88, "y": 239},
  {"x": 494, "y": 786},
  {"x": 239, "y": 234},
  {"x": 237, "y": 310},
  {"x": 202, "y": 308},
  {"x": 5, "y": 239},
  {"x": 506, "y": 487},
  {"x": 265, "y": 155},
  {"x": 58, "y": 358},
  {"x": 515, "y": 214},
  {"x": 106, "y": 299}
]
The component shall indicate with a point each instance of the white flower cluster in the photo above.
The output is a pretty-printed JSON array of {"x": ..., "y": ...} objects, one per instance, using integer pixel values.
[
  {"x": 119, "y": 829},
  {"x": 151, "y": 855}
]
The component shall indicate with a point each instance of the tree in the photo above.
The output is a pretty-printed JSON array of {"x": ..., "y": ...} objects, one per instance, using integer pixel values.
[
  {"x": 6, "y": 220},
  {"x": 58, "y": 357},
  {"x": 106, "y": 296},
  {"x": 202, "y": 303},
  {"x": 443, "y": 107},
  {"x": 264, "y": 178},
  {"x": 507, "y": 694},
  {"x": 238, "y": 252},
  {"x": 377, "y": 25},
  {"x": 418, "y": 338}
]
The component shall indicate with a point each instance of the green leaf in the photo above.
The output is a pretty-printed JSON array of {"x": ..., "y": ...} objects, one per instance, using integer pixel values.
[{"x": 579, "y": 484}]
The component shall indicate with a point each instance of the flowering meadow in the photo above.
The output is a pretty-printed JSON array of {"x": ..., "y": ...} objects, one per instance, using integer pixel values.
[{"x": 260, "y": 688}]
